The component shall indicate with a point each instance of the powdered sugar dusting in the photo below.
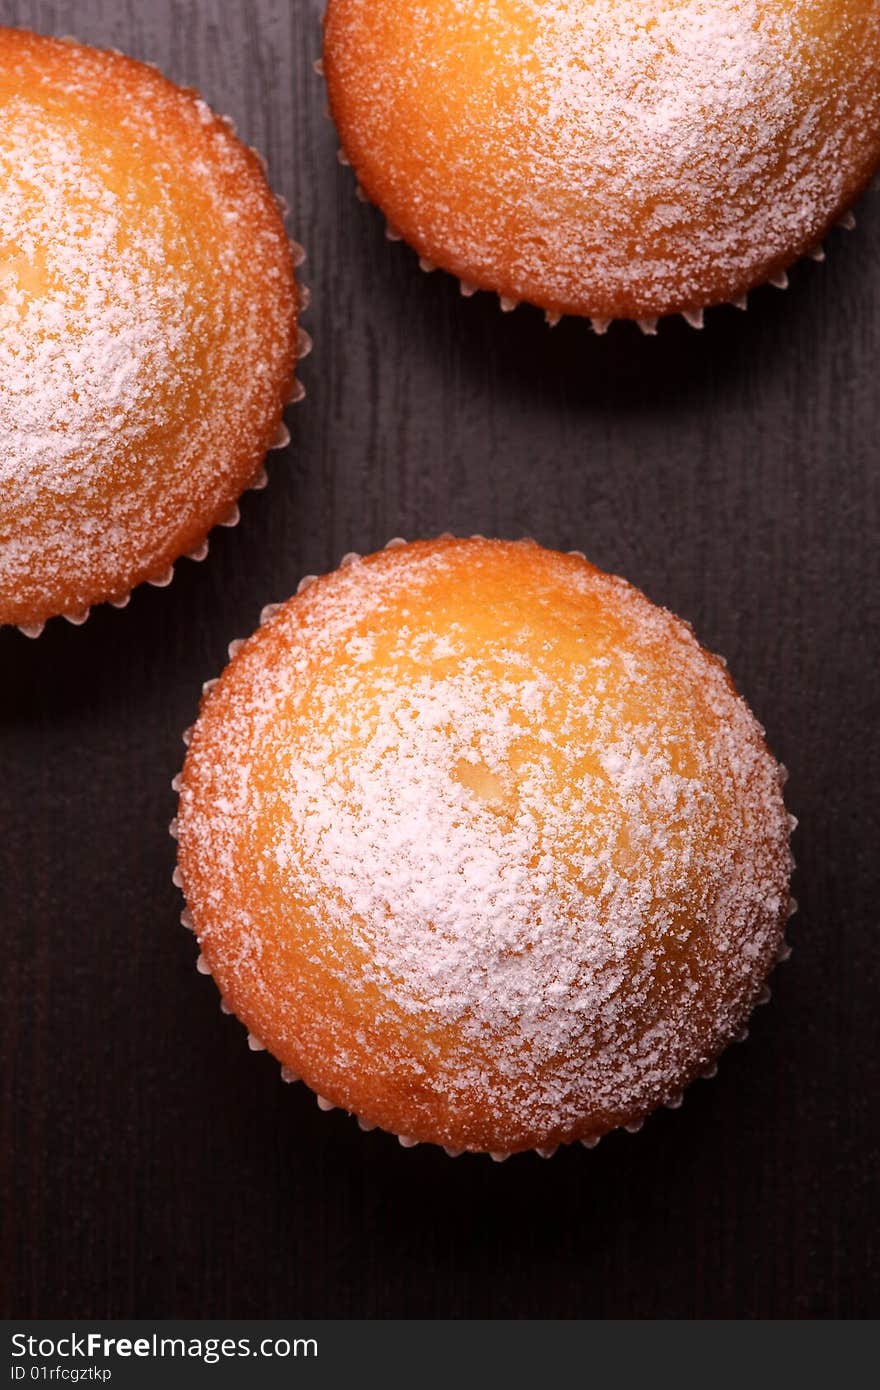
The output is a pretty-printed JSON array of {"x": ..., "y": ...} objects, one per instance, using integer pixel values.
[
  {"x": 616, "y": 158},
  {"x": 540, "y": 868},
  {"x": 80, "y": 360}
]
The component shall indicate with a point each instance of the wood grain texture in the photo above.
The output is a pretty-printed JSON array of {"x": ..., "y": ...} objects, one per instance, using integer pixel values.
[{"x": 150, "y": 1164}]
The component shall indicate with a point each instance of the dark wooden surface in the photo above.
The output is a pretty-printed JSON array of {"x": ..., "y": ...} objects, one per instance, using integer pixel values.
[{"x": 151, "y": 1165}]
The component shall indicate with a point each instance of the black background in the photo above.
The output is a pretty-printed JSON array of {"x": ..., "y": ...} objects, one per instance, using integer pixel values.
[{"x": 151, "y": 1164}]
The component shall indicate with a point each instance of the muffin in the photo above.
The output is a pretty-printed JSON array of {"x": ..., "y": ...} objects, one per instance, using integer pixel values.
[
  {"x": 483, "y": 846},
  {"x": 148, "y": 325},
  {"x": 617, "y": 159}
]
